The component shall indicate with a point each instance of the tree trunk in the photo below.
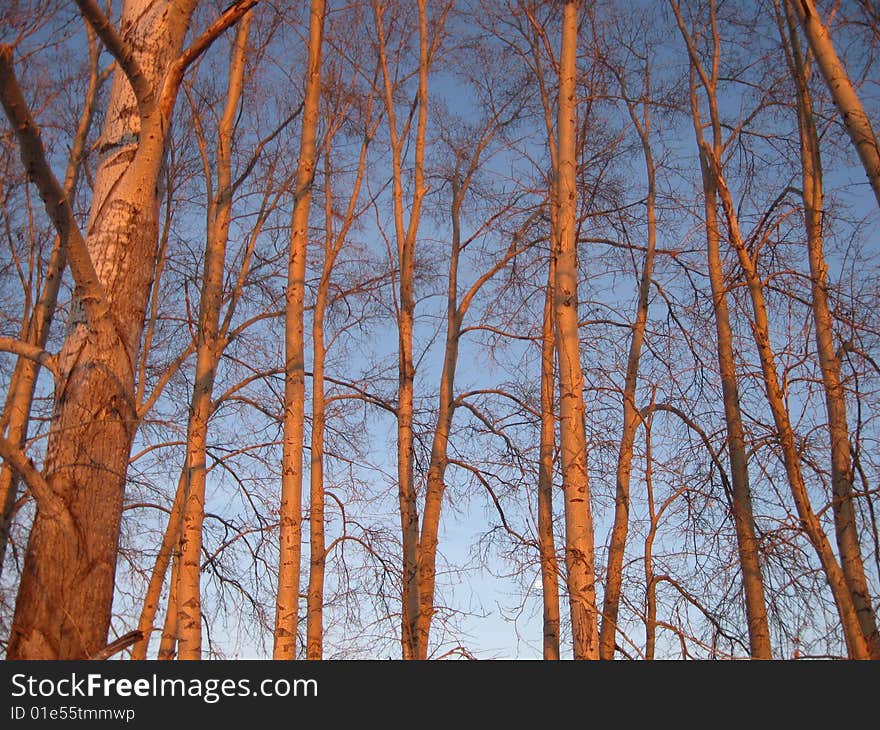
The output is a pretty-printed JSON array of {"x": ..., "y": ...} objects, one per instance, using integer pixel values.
[
  {"x": 546, "y": 540},
  {"x": 170, "y": 543},
  {"x": 631, "y": 417},
  {"x": 579, "y": 558},
  {"x": 653, "y": 521},
  {"x": 208, "y": 350},
  {"x": 846, "y": 529},
  {"x": 856, "y": 121},
  {"x": 406, "y": 241},
  {"x": 66, "y": 590},
  {"x": 741, "y": 497},
  {"x": 290, "y": 509},
  {"x": 17, "y": 408},
  {"x": 436, "y": 485},
  {"x": 168, "y": 644},
  {"x": 741, "y": 503},
  {"x": 855, "y": 640}
]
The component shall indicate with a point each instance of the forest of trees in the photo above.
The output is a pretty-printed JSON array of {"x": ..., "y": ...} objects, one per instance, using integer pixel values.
[{"x": 440, "y": 329}]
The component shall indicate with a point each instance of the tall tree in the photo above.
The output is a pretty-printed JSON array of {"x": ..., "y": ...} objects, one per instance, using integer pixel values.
[
  {"x": 579, "y": 558},
  {"x": 66, "y": 591},
  {"x": 856, "y": 121},
  {"x": 290, "y": 509},
  {"x": 406, "y": 233},
  {"x": 209, "y": 347},
  {"x": 20, "y": 394},
  {"x": 846, "y": 527},
  {"x": 631, "y": 416},
  {"x": 741, "y": 502},
  {"x": 334, "y": 241},
  {"x": 547, "y": 446}
]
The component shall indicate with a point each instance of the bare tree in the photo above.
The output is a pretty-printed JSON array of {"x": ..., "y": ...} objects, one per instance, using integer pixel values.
[
  {"x": 64, "y": 599},
  {"x": 856, "y": 121},
  {"x": 290, "y": 509},
  {"x": 579, "y": 558}
]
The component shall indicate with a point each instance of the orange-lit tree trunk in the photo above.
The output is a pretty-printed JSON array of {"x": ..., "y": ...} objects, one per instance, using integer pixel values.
[
  {"x": 290, "y": 508},
  {"x": 846, "y": 529},
  {"x": 546, "y": 538},
  {"x": 631, "y": 417},
  {"x": 406, "y": 234},
  {"x": 856, "y": 642},
  {"x": 167, "y": 549},
  {"x": 856, "y": 121},
  {"x": 741, "y": 502},
  {"x": 66, "y": 590},
  {"x": 710, "y": 156},
  {"x": 333, "y": 243},
  {"x": 65, "y": 595},
  {"x": 547, "y": 440},
  {"x": 20, "y": 394},
  {"x": 208, "y": 349},
  {"x": 579, "y": 558}
]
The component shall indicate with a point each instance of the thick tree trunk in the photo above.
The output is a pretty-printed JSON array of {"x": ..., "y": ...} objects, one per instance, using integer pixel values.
[
  {"x": 856, "y": 121},
  {"x": 290, "y": 509},
  {"x": 66, "y": 590},
  {"x": 579, "y": 558},
  {"x": 17, "y": 408}
]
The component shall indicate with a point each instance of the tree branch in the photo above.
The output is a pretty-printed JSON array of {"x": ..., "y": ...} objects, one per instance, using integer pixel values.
[
  {"x": 175, "y": 73},
  {"x": 116, "y": 646},
  {"x": 31, "y": 352},
  {"x": 33, "y": 157},
  {"x": 120, "y": 50},
  {"x": 50, "y": 504}
]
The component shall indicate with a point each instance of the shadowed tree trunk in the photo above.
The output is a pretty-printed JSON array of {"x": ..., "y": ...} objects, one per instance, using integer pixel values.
[{"x": 546, "y": 539}]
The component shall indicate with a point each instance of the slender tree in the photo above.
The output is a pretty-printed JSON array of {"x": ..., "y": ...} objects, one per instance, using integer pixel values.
[
  {"x": 208, "y": 351},
  {"x": 290, "y": 508},
  {"x": 856, "y": 121},
  {"x": 741, "y": 503},
  {"x": 406, "y": 233},
  {"x": 846, "y": 528},
  {"x": 579, "y": 558},
  {"x": 631, "y": 416}
]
